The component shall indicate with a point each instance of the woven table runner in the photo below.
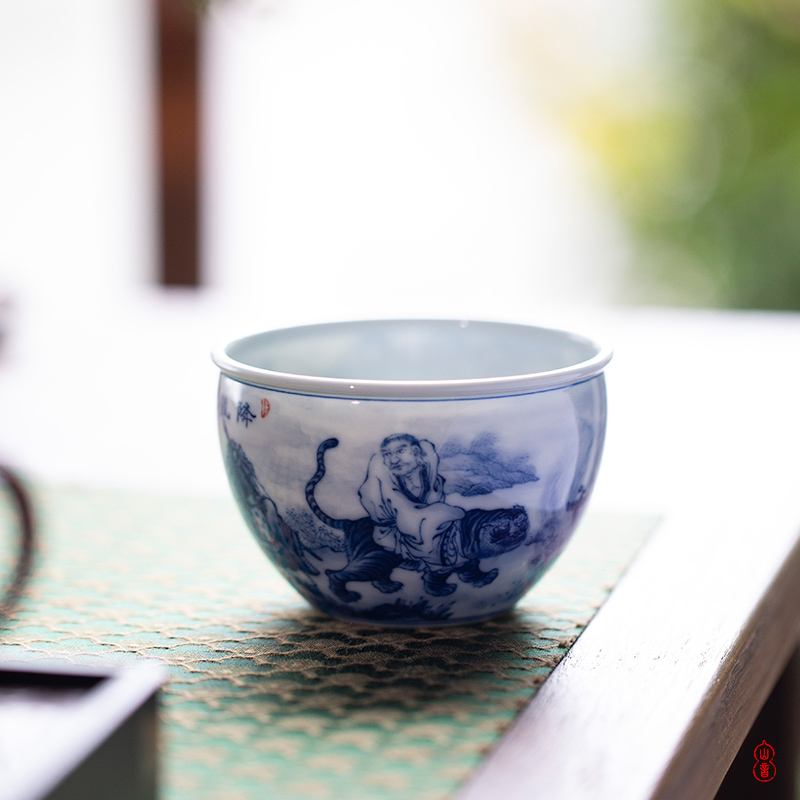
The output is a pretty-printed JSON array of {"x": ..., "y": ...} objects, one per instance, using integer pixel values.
[{"x": 266, "y": 697}]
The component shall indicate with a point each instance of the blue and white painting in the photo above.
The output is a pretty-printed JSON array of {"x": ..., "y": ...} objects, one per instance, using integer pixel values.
[
  {"x": 418, "y": 525},
  {"x": 409, "y": 524}
]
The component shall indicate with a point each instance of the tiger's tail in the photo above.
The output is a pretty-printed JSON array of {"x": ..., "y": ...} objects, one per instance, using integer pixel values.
[{"x": 317, "y": 477}]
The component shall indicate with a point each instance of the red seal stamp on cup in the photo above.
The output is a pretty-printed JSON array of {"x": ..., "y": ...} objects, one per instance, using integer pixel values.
[{"x": 764, "y": 768}]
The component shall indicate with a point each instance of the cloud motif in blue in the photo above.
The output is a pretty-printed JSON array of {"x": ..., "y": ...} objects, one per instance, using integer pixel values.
[{"x": 479, "y": 468}]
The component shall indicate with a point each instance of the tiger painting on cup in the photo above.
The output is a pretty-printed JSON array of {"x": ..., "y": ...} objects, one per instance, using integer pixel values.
[{"x": 410, "y": 525}]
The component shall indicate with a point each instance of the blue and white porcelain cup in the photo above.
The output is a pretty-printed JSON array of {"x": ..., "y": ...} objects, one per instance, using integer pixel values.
[{"x": 412, "y": 472}]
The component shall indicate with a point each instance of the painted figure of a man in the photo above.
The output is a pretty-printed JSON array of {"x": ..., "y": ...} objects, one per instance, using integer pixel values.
[{"x": 404, "y": 496}]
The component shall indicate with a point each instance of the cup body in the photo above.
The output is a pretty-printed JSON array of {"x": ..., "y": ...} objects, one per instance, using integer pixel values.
[{"x": 427, "y": 509}]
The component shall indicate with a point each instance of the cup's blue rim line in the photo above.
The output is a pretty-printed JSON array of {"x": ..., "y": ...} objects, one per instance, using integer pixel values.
[
  {"x": 356, "y": 398},
  {"x": 368, "y": 389}
]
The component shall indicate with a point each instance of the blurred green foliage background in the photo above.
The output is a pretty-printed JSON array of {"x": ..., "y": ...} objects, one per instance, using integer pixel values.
[
  {"x": 706, "y": 166},
  {"x": 697, "y": 139}
]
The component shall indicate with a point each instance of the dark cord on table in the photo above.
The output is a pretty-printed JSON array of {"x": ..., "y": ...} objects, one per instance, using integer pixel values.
[{"x": 27, "y": 538}]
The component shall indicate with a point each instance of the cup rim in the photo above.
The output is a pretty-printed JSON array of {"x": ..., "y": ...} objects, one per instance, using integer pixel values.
[{"x": 461, "y": 388}]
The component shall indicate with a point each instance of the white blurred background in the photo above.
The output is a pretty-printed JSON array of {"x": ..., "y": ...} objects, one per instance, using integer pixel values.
[
  {"x": 361, "y": 159},
  {"x": 388, "y": 142}
]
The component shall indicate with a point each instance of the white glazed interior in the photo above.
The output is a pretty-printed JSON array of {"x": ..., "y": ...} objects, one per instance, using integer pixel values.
[{"x": 412, "y": 358}]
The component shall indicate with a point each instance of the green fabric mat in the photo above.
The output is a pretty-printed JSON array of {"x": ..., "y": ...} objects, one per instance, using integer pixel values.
[{"x": 266, "y": 697}]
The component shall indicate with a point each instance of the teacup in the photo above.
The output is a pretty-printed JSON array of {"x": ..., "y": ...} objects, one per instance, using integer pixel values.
[{"x": 412, "y": 472}]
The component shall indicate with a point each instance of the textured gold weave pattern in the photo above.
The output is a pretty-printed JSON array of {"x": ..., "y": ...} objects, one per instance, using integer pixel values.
[{"x": 266, "y": 697}]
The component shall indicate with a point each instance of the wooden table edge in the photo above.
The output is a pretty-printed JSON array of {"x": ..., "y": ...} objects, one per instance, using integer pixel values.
[{"x": 655, "y": 698}]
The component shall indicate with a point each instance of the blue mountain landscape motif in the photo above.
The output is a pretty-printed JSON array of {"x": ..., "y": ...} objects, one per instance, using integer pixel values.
[
  {"x": 480, "y": 468},
  {"x": 279, "y": 540}
]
